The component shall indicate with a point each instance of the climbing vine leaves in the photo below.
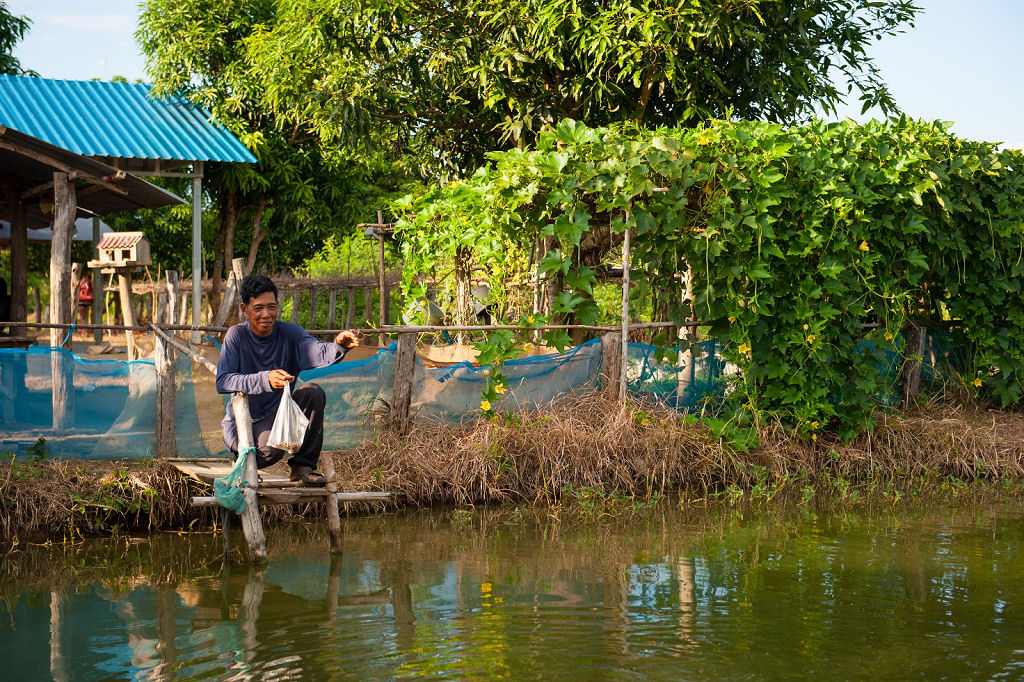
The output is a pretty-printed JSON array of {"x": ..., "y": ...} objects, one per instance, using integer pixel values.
[{"x": 806, "y": 249}]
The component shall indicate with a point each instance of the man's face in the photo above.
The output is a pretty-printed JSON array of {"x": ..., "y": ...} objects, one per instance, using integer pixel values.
[{"x": 262, "y": 313}]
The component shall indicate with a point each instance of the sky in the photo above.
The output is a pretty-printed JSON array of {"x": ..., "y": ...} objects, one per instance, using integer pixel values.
[{"x": 960, "y": 63}]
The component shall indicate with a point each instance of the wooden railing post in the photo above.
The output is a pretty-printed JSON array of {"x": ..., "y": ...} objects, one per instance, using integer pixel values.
[
  {"x": 333, "y": 303},
  {"x": 405, "y": 373},
  {"x": 296, "y": 300},
  {"x": 611, "y": 363},
  {"x": 333, "y": 517},
  {"x": 166, "y": 367},
  {"x": 915, "y": 336}
]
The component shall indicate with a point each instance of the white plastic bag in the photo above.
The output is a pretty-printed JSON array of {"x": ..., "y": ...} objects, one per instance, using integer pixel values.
[{"x": 289, "y": 425}]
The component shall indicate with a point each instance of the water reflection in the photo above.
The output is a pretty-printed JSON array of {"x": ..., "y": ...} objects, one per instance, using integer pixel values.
[{"x": 674, "y": 593}]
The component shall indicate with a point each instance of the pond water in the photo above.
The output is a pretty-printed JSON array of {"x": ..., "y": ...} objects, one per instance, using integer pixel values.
[{"x": 674, "y": 592}]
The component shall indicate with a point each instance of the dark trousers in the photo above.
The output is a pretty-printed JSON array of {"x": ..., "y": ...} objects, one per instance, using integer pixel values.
[{"x": 312, "y": 401}]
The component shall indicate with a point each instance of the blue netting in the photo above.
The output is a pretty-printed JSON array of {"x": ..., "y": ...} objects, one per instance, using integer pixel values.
[{"x": 111, "y": 405}]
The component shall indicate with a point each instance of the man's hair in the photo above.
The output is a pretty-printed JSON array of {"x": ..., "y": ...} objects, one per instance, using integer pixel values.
[{"x": 255, "y": 285}]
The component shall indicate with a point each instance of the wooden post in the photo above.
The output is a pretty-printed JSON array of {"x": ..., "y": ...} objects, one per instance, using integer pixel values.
[
  {"x": 333, "y": 303},
  {"x": 252, "y": 524},
  {"x": 124, "y": 282},
  {"x": 333, "y": 517},
  {"x": 61, "y": 370},
  {"x": 350, "y": 315},
  {"x": 160, "y": 316},
  {"x": 19, "y": 259},
  {"x": 624, "y": 358},
  {"x": 611, "y": 371},
  {"x": 405, "y": 373},
  {"x": 183, "y": 308},
  {"x": 231, "y": 292},
  {"x": 312, "y": 308},
  {"x": 915, "y": 335},
  {"x": 296, "y": 300},
  {"x": 97, "y": 284},
  {"x": 65, "y": 208},
  {"x": 381, "y": 290},
  {"x": 76, "y": 277},
  {"x": 368, "y": 304},
  {"x": 165, "y": 378}
]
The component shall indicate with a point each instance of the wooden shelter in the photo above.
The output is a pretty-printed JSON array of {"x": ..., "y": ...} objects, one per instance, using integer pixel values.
[{"x": 44, "y": 184}]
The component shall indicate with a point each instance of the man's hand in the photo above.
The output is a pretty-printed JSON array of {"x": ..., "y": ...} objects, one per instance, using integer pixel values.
[
  {"x": 347, "y": 339},
  {"x": 279, "y": 378}
]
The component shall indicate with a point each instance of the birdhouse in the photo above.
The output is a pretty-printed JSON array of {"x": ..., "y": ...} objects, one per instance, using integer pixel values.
[{"x": 122, "y": 250}]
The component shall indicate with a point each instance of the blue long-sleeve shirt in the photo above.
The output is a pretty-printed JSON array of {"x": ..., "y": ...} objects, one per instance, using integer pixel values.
[{"x": 246, "y": 360}]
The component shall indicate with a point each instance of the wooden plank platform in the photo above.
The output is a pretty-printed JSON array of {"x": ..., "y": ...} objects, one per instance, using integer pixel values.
[{"x": 272, "y": 489}]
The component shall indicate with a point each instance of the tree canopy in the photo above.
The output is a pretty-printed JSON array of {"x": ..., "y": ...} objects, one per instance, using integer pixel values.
[
  {"x": 12, "y": 31},
  {"x": 449, "y": 80},
  {"x": 300, "y": 191}
]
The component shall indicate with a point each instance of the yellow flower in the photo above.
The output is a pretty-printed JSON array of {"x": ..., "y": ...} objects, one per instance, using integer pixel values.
[
  {"x": 977, "y": 382},
  {"x": 806, "y": 327},
  {"x": 814, "y": 425},
  {"x": 888, "y": 336},
  {"x": 703, "y": 140},
  {"x": 530, "y": 319},
  {"x": 814, "y": 436},
  {"x": 528, "y": 347},
  {"x": 732, "y": 319},
  {"x": 487, "y": 372},
  {"x": 644, "y": 422},
  {"x": 810, "y": 338},
  {"x": 485, "y": 405},
  {"x": 864, "y": 246},
  {"x": 499, "y": 389},
  {"x": 744, "y": 348}
]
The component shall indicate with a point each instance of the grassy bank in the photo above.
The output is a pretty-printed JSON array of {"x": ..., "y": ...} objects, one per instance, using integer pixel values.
[{"x": 584, "y": 451}]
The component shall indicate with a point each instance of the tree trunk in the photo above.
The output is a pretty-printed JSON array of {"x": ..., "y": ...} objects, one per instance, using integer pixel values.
[
  {"x": 225, "y": 250},
  {"x": 259, "y": 233}
]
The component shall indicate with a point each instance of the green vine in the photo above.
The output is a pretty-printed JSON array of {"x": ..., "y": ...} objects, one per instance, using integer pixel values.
[{"x": 791, "y": 240}]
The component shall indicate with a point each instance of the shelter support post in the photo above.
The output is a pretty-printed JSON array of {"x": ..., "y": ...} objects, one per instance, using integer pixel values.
[
  {"x": 97, "y": 284},
  {"x": 61, "y": 370},
  {"x": 252, "y": 524},
  {"x": 915, "y": 335},
  {"x": 197, "y": 248},
  {"x": 19, "y": 258},
  {"x": 405, "y": 372}
]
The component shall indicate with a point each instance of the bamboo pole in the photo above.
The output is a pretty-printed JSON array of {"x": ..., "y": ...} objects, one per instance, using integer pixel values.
[
  {"x": 624, "y": 359},
  {"x": 301, "y": 495}
]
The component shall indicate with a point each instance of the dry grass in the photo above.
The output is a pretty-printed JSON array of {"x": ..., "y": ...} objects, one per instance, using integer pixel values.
[
  {"x": 582, "y": 443},
  {"x": 587, "y": 441}
]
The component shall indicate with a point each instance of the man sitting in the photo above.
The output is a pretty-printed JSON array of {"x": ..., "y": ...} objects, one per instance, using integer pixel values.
[{"x": 260, "y": 357}]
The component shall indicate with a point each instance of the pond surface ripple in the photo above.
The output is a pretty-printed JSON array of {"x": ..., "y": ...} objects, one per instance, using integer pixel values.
[{"x": 676, "y": 592}]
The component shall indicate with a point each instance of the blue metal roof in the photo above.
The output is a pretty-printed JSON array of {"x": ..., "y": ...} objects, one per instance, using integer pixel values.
[{"x": 96, "y": 118}]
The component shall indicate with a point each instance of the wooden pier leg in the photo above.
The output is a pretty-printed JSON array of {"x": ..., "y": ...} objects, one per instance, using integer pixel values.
[
  {"x": 333, "y": 517},
  {"x": 225, "y": 531},
  {"x": 252, "y": 524}
]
